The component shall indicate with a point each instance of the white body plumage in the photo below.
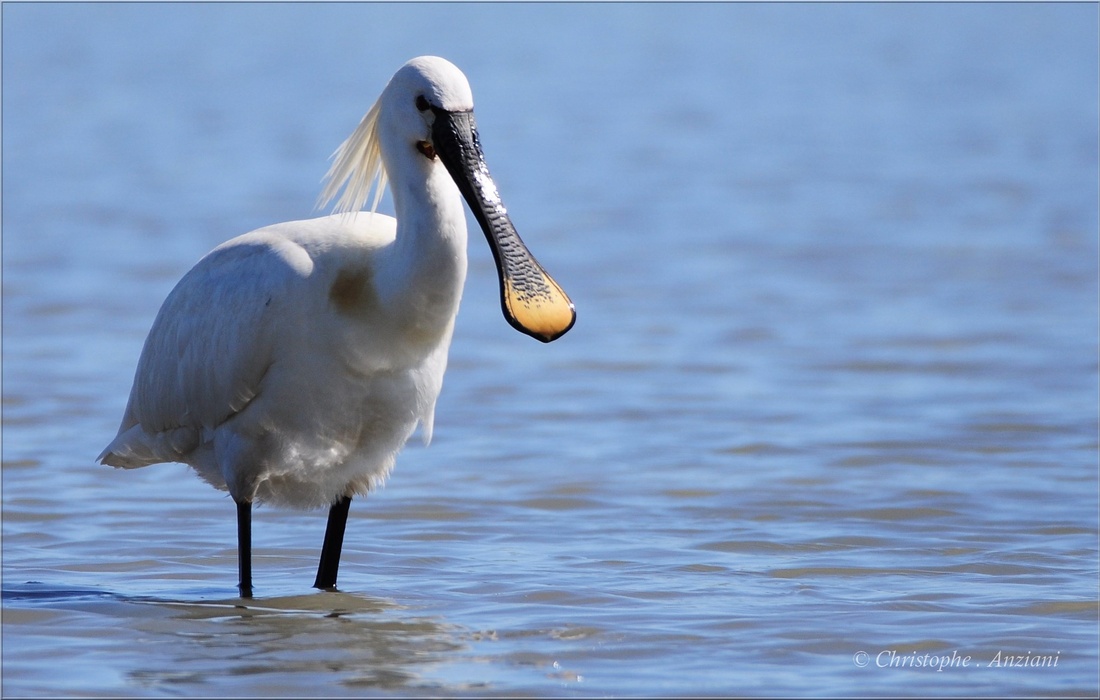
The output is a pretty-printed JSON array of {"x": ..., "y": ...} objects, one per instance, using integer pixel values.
[{"x": 290, "y": 365}]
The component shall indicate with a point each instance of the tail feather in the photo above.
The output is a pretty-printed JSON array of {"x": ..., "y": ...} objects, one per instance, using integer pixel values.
[{"x": 134, "y": 447}]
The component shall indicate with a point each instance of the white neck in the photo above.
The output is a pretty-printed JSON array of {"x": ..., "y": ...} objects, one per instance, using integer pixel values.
[{"x": 422, "y": 279}]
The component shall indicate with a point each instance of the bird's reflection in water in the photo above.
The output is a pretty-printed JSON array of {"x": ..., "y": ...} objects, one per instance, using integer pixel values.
[{"x": 328, "y": 640}]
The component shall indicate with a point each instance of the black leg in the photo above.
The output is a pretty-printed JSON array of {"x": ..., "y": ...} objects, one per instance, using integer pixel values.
[
  {"x": 244, "y": 547},
  {"x": 334, "y": 542}
]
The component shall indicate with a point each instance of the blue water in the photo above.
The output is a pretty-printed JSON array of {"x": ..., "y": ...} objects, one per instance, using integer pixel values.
[{"x": 826, "y": 425}]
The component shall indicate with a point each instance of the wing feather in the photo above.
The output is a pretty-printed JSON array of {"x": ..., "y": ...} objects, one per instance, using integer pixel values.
[{"x": 209, "y": 347}]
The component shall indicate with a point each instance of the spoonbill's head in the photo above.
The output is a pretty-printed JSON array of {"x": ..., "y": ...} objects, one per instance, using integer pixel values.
[
  {"x": 427, "y": 108},
  {"x": 421, "y": 89}
]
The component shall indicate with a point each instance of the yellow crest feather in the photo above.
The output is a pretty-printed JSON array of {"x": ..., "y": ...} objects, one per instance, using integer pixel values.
[{"x": 357, "y": 167}]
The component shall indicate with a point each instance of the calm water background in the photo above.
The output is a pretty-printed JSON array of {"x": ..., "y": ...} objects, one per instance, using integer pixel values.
[{"x": 833, "y": 386}]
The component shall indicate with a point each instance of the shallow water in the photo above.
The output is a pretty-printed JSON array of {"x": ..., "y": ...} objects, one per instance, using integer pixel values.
[{"x": 826, "y": 425}]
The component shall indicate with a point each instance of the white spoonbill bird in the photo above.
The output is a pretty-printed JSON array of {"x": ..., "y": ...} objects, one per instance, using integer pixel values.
[{"x": 291, "y": 364}]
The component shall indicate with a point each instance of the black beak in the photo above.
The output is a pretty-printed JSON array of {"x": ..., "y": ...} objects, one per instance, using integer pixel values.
[{"x": 529, "y": 297}]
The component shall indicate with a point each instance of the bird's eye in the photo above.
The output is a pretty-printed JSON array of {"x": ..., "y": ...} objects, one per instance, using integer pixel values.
[{"x": 422, "y": 104}]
